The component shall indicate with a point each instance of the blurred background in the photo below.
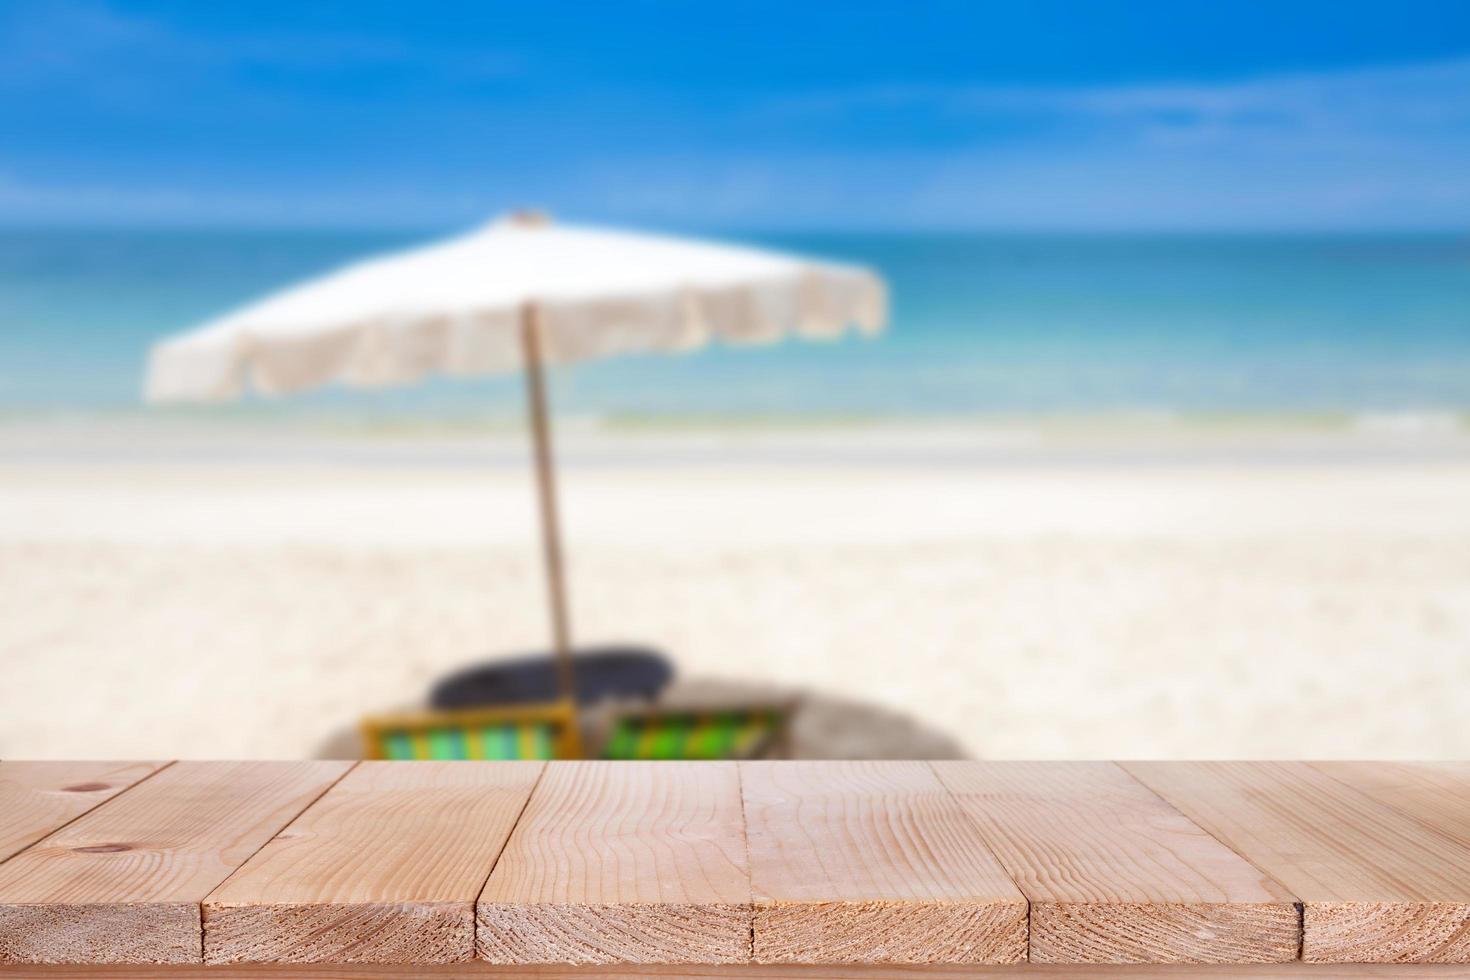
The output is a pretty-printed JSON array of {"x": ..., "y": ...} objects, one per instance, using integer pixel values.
[{"x": 1165, "y": 450}]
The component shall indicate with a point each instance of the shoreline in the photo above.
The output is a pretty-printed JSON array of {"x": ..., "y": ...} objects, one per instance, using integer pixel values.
[{"x": 1113, "y": 438}]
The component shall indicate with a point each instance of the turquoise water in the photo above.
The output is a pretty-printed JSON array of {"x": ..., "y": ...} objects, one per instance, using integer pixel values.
[{"x": 982, "y": 323}]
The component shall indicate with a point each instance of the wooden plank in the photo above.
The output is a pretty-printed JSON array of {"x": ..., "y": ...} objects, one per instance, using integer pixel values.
[
  {"x": 37, "y": 798},
  {"x": 1434, "y": 793},
  {"x": 122, "y": 884},
  {"x": 623, "y": 862},
  {"x": 752, "y": 971},
  {"x": 872, "y": 862},
  {"x": 384, "y": 868},
  {"x": 1115, "y": 875},
  {"x": 1378, "y": 886}
]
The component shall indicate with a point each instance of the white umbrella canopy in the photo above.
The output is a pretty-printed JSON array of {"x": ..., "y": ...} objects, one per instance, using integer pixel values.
[
  {"x": 457, "y": 308},
  {"x": 516, "y": 294}
]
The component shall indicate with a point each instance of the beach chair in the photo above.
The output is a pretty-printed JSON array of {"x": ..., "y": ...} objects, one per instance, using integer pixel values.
[
  {"x": 533, "y": 731},
  {"x": 698, "y": 733}
]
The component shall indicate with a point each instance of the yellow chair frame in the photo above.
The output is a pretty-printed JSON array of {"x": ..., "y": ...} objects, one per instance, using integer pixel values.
[{"x": 559, "y": 716}]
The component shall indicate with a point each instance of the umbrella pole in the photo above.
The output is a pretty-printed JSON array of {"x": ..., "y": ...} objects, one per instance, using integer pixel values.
[{"x": 546, "y": 497}]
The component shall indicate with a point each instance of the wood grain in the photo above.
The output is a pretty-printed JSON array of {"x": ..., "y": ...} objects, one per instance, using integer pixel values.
[
  {"x": 1434, "y": 793},
  {"x": 384, "y": 868},
  {"x": 1115, "y": 875},
  {"x": 872, "y": 862},
  {"x": 122, "y": 883},
  {"x": 37, "y": 798},
  {"x": 751, "y": 971},
  {"x": 1377, "y": 886},
  {"x": 633, "y": 862}
]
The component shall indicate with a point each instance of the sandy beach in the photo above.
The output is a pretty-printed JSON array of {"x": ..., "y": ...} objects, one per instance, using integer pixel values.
[{"x": 998, "y": 591}]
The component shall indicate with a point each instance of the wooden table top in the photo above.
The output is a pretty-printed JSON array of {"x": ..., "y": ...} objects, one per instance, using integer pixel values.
[{"x": 752, "y": 868}]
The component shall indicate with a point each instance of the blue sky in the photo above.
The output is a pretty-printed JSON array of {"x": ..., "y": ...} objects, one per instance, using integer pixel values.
[{"x": 1132, "y": 114}]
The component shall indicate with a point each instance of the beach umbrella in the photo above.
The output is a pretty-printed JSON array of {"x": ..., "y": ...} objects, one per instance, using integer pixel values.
[{"x": 517, "y": 294}]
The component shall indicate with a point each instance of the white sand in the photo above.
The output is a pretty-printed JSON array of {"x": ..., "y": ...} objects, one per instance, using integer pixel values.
[{"x": 250, "y": 594}]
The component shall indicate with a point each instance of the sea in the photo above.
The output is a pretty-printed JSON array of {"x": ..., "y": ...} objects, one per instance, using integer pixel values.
[{"x": 981, "y": 324}]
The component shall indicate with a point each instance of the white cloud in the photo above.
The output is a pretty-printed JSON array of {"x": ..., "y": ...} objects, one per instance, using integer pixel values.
[
  {"x": 1432, "y": 94},
  {"x": 89, "y": 46},
  {"x": 23, "y": 200},
  {"x": 1373, "y": 147},
  {"x": 40, "y": 202}
]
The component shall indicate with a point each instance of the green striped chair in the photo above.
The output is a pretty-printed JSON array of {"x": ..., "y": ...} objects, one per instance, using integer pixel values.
[
  {"x": 716, "y": 733},
  {"x": 545, "y": 731}
]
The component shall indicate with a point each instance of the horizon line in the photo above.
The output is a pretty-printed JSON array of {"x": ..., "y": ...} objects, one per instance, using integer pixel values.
[{"x": 444, "y": 229}]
